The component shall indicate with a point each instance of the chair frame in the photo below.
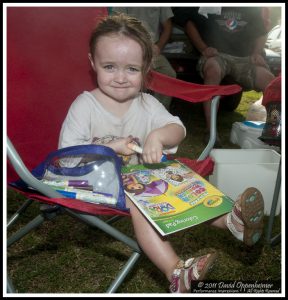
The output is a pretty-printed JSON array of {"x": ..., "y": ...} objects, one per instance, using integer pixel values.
[
  {"x": 276, "y": 238},
  {"x": 50, "y": 214},
  {"x": 93, "y": 221},
  {"x": 273, "y": 93}
]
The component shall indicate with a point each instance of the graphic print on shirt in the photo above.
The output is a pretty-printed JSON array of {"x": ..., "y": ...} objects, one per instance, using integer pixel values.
[{"x": 231, "y": 21}]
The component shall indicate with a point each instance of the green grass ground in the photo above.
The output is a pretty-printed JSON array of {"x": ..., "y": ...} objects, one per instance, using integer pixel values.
[{"x": 65, "y": 256}]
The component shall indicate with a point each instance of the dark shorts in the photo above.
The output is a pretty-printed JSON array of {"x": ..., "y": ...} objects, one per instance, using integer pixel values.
[{"x": 239, "y": 68}]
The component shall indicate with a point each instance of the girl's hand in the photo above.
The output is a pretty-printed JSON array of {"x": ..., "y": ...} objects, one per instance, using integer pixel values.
[
  {"x": 167, "y": 136},
  {"x": 120, "y": 145},
  {"x": 153, "y": 148}
]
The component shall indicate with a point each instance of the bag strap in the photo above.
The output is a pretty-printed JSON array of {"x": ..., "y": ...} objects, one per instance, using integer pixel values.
[{"x": 76, "y": 150}]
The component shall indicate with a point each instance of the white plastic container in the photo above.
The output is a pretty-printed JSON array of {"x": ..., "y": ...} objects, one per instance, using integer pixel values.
[
  {"x": 237, "y": 169},
  {"x": 245, "y": 134}
]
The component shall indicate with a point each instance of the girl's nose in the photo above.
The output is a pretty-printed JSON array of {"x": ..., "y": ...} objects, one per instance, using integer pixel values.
[{"x": 120, "y": 77}]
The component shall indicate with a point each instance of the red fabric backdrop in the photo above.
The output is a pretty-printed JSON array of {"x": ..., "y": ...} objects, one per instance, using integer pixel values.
[{"x": 47, "y": 67}]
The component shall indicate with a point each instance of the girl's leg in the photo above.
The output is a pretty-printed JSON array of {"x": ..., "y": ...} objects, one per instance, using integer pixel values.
[
  {"x": 158, "y": 250},
  {"x": 245, "y": 221},
  {"x": 161, "y": 253},
  {"x": 219, "y": 222}
]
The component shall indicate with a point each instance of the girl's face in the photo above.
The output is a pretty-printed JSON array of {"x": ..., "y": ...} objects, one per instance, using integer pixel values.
[
  {"x": 134, "y": 186},
  {"x": 118, "y": 63}
]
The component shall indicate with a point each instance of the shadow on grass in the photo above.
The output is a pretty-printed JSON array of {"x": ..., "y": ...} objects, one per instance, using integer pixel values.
[{"x": 66, "y": 248}]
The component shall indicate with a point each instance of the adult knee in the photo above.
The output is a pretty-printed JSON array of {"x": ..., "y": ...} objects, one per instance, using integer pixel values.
[
  {"x": 212, "y": 71},
  {"x": 263, "y": 78}
]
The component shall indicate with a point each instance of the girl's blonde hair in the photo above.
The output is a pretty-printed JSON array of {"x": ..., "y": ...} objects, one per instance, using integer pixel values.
[{"x": 131, "y": 27}]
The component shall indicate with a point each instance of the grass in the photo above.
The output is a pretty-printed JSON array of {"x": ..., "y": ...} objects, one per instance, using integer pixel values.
[{"x": 66, "y": 256}]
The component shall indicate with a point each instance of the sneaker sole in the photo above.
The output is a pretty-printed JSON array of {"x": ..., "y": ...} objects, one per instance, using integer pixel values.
[{"x": 252, "y": 210}]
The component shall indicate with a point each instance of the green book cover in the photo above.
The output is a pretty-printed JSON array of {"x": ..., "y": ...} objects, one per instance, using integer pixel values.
[{"x": 172, "y": 196}]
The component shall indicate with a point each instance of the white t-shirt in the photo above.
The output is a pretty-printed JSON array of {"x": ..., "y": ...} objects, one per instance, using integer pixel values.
[{"x": 89, "y": 122}]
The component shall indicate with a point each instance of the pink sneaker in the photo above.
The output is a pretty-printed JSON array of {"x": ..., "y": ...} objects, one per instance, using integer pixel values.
[
  {"x": 247, "y": 213},
  {"x": 192, "y": 270}
]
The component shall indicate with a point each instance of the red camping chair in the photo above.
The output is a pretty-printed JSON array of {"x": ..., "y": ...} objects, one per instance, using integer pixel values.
[
  {"x": 46, "y": 69},
  {"x": 271, "y": 134}
]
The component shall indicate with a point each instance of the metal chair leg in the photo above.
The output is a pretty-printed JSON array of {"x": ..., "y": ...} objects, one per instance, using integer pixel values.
[
  {"x": 213, "y": 129},
  {"x": 13, "y": 219},
  {"x": 10, "y": 287},
  {"x": 275, "y": 240},
  {"x": 133, "y": 245}
]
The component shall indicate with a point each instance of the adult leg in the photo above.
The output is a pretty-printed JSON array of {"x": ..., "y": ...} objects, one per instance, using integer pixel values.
[
  {"x": 262, "y": 78},
  {"x": 212, "y": 75},
  {"x": 162, "y": 65}
]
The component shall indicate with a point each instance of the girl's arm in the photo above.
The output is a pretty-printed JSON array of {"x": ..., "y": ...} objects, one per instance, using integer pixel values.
[
  {"x": 120, "y": 146},
  {"x": 168, "y": 136}
]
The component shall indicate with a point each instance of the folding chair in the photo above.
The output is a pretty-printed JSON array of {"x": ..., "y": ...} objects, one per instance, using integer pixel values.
[
  {"x": 271, "y": 135},
  {"x": 195, "y": 93},
  {"x": 46, "y": 69}
]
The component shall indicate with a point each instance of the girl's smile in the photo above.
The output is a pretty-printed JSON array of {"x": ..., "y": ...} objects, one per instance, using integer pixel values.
[{"x": 118, "y": 64}]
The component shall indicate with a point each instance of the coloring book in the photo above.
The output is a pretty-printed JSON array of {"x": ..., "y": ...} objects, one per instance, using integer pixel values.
[{"x": 172, "y": 196}]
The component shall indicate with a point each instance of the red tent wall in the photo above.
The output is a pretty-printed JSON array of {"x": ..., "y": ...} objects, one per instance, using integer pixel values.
[{"x": 47, "y": 67}]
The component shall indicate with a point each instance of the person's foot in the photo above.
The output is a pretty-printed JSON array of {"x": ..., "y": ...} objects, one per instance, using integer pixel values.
[
  {"x": 217, "y": 144},
  {"x": 246, "y": 220},
  {"x": 194, "y": 268}
]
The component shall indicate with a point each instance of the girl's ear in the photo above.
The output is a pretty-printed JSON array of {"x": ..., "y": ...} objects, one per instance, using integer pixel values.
[{"x": 91, "y": 61}]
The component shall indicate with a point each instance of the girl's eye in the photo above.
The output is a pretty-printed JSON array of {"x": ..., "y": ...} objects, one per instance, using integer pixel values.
[
  {"x": 108, "y": 67},
  {"x": 133, "y": 69}
]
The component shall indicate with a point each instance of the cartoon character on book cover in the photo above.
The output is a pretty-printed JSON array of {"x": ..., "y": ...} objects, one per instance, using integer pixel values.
[
  {"x": 143, "y": 186},
  {"x": 175, "y": 174},
  {"x": 146, "y": 186}
]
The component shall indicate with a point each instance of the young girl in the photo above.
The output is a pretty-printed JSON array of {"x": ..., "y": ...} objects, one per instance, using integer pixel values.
[{"x": 118, "y": 112}]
